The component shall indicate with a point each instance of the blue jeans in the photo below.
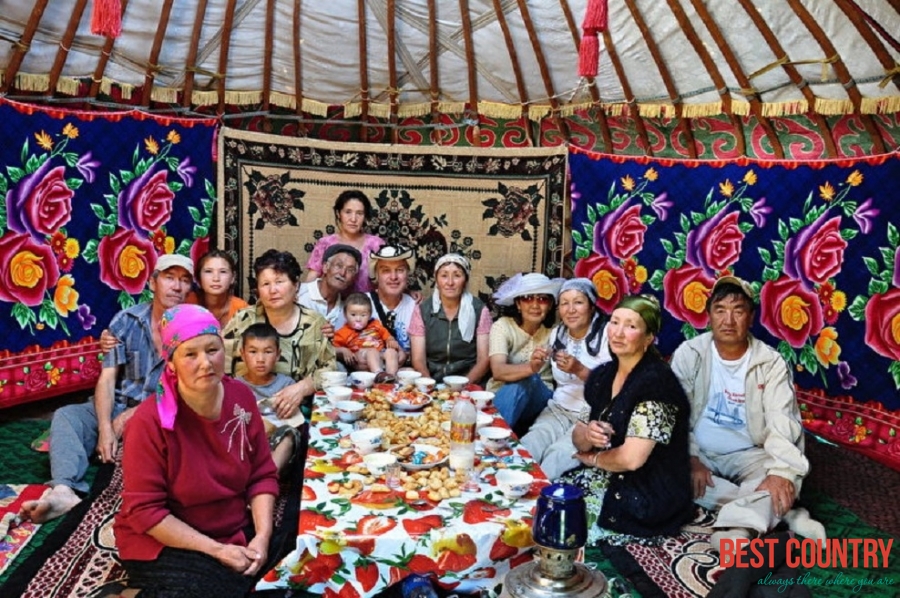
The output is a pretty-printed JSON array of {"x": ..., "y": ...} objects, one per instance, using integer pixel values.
[{"x": 523, "y": 400}]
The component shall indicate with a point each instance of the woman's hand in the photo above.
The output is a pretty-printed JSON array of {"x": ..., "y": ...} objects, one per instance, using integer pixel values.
[
  {"x": 599, "y": 434},
  {"x": 286, "y": 401},
  {"x": 346, "y": 356},
  {"x": 539, "y": 357},
  {"x": 239, "y": 558},
  {"x": 328, "y": 330},
  {"x": 569, "y": 364},
  {"x": 261, "y": 547}
]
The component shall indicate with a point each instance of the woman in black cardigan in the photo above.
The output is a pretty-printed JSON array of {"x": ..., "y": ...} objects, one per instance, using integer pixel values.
[{"x": 635, "y": 470}]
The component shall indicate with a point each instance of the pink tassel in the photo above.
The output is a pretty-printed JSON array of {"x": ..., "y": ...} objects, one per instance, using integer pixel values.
[
  {"x": 595, "y": 16},
  {"x": 106, "y": 18},
  {"x": 588, "y": 55}
]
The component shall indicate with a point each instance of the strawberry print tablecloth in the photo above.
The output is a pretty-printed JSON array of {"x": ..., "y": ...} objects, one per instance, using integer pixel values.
[{"x": 357, "y": 546}]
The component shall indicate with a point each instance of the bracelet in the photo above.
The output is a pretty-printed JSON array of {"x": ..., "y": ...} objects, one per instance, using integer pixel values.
[{"x": 597, "y": 456}]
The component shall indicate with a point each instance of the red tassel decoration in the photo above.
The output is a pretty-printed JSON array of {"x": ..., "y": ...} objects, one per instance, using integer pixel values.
[
  {"x": 588, "y": 55},
  {"x": 106, "y": 18},
  {"x": 595, "y": 16},
  {"x": 595, "y": 20}
]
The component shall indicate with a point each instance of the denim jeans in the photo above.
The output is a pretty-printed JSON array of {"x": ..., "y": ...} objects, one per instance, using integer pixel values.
[{"x": 522, "y": 401}]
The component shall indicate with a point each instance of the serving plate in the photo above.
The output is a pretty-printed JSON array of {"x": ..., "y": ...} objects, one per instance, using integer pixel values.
[{"x": 416, "y": 457}]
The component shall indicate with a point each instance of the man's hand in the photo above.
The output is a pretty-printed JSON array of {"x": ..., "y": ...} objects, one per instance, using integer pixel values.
[
  {"x": 107, "y": 443},
  {"x": 118, "y": 422},
  {"x": 328, "y": 330},
  {"x": 782, "y": 491},
  {"x": 701, "y": 477},
  {"x": 392, "y": 344}
]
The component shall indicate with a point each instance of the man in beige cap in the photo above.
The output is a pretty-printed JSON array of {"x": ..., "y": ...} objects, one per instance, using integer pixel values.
[
  {"x": 746, "y": 439},
  {"x": 130, "y": 373}
]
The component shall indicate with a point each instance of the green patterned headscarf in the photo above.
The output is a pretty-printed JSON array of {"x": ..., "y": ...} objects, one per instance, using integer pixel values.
[{"x": 647, "y": 306}]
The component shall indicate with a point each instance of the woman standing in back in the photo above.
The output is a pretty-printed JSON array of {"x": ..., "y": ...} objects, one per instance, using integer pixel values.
[{"x": 351, "y": 211}]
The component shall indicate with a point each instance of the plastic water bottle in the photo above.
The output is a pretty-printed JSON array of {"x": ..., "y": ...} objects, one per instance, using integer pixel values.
[
  {"x": 462, "y": 433},
  {"x": 417, "y": 586}
]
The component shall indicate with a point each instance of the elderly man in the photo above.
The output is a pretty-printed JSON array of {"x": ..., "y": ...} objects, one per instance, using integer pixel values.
[
  {"x": 746, "y": 438},
  {"x": 389, "y": 267},
  {"x": 129, "y": 375},
  {"x": 340, "y": 266}
]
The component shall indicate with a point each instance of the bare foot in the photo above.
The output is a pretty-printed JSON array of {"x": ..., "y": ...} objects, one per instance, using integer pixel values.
[{"x": 53, "y": 503}]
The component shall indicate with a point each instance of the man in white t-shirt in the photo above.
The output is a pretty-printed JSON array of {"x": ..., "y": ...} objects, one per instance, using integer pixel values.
[
  {"x": 340, "y": 265},
  {"x": 389, "y": 268},
  {"x": 746, "y": 437}
]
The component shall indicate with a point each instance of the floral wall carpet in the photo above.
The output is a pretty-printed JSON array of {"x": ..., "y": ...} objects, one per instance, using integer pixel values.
[
  {"x": 817, "y": 240},
  {"x": 502, "y": 208},
  {"x": 87, "y": 203}
]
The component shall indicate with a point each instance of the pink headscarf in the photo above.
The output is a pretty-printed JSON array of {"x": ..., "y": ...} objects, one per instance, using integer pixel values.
[{"x": 178, "y": 324}]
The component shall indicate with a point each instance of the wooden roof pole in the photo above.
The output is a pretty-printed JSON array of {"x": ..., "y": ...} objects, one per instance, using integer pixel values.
[
  {"x": 152, "y": 62},
  {"x": 267, "y": 56},
  {"x": 545, "y": 72},
  {"x": 840, "y": 69},
  {"x": 65, "y": 44},
  {"x": 103, "y": 60},
  {"x": 437, "y": 136},
  {"x": 298, "y": 67},
  {"x": 466, "y": 23},
  {"x": 858, "y": 18},
  {"x": 191, "y": 61},
  {"x": 688, "y": 29},
  {"x": 224, "y": 46},
  {"x": 794, "y": 75},
  {"x": 605, "y": 133},
  {"x": 393, "y": 93},
  {"x": 363, "y": 71},
  {"x": 23, "y": 45},
  {"x": 629, "y": 96},
  {"x": 732, "y": 61},
  {"x": 517, "y": 68},
  {"x": 666, "y": 75}
]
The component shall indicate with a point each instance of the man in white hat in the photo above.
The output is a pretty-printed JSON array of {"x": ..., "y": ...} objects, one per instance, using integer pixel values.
[
  {"x": 389, "y": 268},
  {"x": 746, "y": 439},
  {"x": 129, "y": 375}
]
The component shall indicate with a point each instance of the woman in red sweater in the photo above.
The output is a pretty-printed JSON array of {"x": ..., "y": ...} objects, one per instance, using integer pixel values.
[{"x": 195, "y": 458}]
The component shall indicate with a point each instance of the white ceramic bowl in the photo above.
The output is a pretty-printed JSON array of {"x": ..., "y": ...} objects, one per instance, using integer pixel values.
[
  {"x": 336, "y": 394},
  {"x": 367, "y": 440},
  {"x": 407, "y": 376},
  {"x": 377, "y": 463},
  {"x": 494, "y": 438},
  {"x": 456, "y": 382},
  {"x": 482, "y": 398},
  {"x": 349, "y": 411},
  {"x": 483, "y": 420},
  {"x": 425, "y": 384},
  {"x": 514, "y": 483},
  {"x": 333, "y": 379},
  {"x": 361, "y": 380}
]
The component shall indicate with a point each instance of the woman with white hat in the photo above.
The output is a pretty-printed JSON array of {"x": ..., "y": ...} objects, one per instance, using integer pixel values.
[
  {"x": 522, "y": 379},
  {"x": 458, "y": 326}
]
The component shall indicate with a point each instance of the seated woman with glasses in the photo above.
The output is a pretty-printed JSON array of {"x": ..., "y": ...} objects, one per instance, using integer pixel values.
[{"x": 522, "y": 379}]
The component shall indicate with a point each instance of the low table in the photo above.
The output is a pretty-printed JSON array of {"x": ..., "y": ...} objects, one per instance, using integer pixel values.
[{"x": 352, "y": 547}]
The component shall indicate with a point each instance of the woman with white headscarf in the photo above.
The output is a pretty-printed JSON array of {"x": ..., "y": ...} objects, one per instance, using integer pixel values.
[
  {"x": 522, "y": 379},
  {"x": 578, "y": 344},
  {"x": 458, "y": 326}
]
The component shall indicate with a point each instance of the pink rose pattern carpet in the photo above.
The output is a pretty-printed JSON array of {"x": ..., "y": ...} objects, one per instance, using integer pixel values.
[
  {"x": 818, "y": 241},
  {"x": 88, "y": 201},
  {"x": 502, "y": 208}
]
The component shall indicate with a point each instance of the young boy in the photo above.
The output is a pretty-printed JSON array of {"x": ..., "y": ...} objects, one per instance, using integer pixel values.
[
  {"x": 363, "y": 342},
  {"x": 260, "y": 352}
]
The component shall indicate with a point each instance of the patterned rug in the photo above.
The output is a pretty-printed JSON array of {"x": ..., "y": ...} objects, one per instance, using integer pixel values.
[
  {"x": 14, "y": 534},
  {"x": 79, "y": 558},
  {"x": 502, "y": 208}
]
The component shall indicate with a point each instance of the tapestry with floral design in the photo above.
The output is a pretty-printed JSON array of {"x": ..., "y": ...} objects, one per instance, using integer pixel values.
[
  {"x": 502, "y": 208},
  {"x": 87, "y": 203},
  {"x": 817, "y": 240}
]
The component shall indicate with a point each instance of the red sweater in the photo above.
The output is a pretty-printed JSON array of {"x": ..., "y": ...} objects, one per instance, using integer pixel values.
[{"x": 191, "y": 473}]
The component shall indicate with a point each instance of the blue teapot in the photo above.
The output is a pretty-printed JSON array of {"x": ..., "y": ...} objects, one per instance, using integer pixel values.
[{"x": 561, "y": 518}]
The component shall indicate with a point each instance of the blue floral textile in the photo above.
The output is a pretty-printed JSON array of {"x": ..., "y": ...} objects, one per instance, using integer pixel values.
[
  {"x": 88, "y": 201},
  {"x": 818, "y": 242}
]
